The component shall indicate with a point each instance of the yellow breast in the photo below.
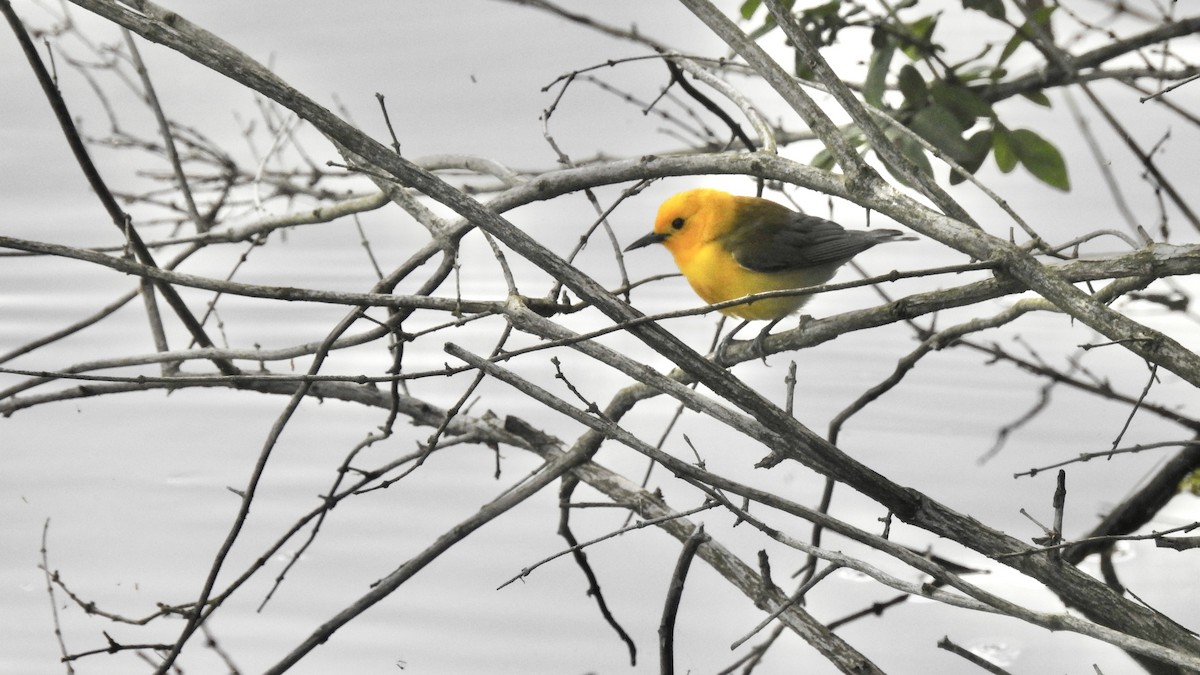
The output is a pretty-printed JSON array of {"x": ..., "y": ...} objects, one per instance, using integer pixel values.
[{"x": 717, "y": 277}]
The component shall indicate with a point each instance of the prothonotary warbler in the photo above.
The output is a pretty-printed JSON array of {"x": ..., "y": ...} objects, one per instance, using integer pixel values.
[{"x": 728, "y": 246}]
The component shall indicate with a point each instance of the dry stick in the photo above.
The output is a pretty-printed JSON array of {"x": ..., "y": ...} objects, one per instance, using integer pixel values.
[
  {"x": 451, "y": 412},
  {"x": 602, "y": 220},
  {"x": 330, "y": 501},
  {"x": 875, "y": 609},
  {"x": 934, "y": 341},
  {"x": 1098, "y": 388},
  {"x": 949, "y": 646},
  {"x": 385, "y": 586},
  {"x": 1156, "y": 260},
  {"x": 1059, "y": 503},
  {"x": 494, "y": 436},
  {"x": 622, "y": 491},
  {"x": 702, "y": 479},
  {"x": 210, "y": 308},
  {"x": 812, "y": 115},
  {"x": 807, "y": 570},
  {"x": 91, "y": 608},
  {"x": 666, "y": 626},
  {"x": 801, "y": 443},
  {"x": 871, "y": 191},
  {"x": 1137, "y": 405},
  {"x": 199, "y": 614},
  {"x": 1053, "y": 75},
  {"x": 1107, "y": 539},
  {"x": 1184, "y": 113},
  {"x": 708, "y": 104},
  {"x": 114, "y": 647},
  {"x": 1171, "y": 88},
  {"x": 815, "y": 332},
  {"x": 805, "y": 586},
  {"x": 1063, "y": 61},
  {"x": 164, "y": 129},
  {"x": 979, "y": 599},
  {"x": 623, "y": 33},
  {"x": 1112, "y": 186},
  {"x": 1040, "y": 405},
  {"x": 287, "y": 293},
  {"x": 95, "y": 318},
  {"x": 1178, "y": 543},
  {"x": 569, "y": 483},
  {"x": 762, "y": 128},
  {"x": 151, "y": 99},
  {"x": 210, "y": 641},
  {"x": 885, "y": 148},
  {"x": 1109, "y": 454},
  {"x": 57, "y": 335},
  {"x": 662, "y": 440},
  {"x": 756, "y": 655},
  {"x": 1137, "y": 510},
  {"x": 58, "y": 634},
  {"x": 118, "y": 216},
  {"x": 156, "y": 326},
  {"x": 393, "y": 407},
  {"x": 1056, "y": 621}
]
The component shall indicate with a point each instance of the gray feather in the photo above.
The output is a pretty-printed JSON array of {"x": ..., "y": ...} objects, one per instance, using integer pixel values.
[{"x": 800, "y": 242}]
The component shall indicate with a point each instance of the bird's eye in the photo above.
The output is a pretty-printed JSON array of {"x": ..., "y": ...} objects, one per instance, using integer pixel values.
[{"x": 677, "y": 224}]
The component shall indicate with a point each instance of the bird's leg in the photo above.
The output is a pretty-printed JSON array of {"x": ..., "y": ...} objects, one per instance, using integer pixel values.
[
  {"x": 724, "y": 345},
  {"x": 759, "y": 341}
]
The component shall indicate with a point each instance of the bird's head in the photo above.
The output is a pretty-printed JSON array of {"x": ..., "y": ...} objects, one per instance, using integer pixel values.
[{"x": 684, "y": 218}]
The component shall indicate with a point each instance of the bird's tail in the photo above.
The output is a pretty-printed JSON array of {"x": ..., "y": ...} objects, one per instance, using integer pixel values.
[{"x": 881, "y": 236}]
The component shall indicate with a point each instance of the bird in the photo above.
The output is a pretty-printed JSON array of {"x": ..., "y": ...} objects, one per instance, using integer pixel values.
[{"x": 729, "y": 246}]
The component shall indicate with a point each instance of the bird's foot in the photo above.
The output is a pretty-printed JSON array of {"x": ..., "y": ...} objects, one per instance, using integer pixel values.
[
  {"x": 721, "y": 354},
  {"x": 759, "y": 345},
  {"x": 723, "y": 345}
]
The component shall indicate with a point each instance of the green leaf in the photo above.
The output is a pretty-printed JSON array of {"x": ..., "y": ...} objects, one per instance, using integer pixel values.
[
  {"x": 877, "y": 70},
  {"x": 1002, "y": 149},
  {"x": 1011, "y": 46},
  {"x": 993, "y": 8},
  {"x": 1041, "y": 17},
  {"x": 912, "y": 85},
  {"x": 1191, "y": 483},
  {"x": 823, "y": 160},
  {"x": 921, "y": 32},
  {"x": 978, "y": 147},
  {"x": 1039, "y": 97},
  {"x": 749, "y": 7},
  {"x": 971, "y": 74},
  {"x": 937, "y": 125},
  {"x": 915, "y": 154},
  {"x": 1041, "y": 158},
  {"x": 967, "y": 105},
  {"x": 910, "y": 149},
  {"x": 854, "y": 138},
  {"x": 767, "y": 26},
  {"x": 803, "y": 68}
]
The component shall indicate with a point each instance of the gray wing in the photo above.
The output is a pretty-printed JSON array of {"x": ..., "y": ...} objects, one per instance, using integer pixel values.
[{"x": 799, "y": 242}]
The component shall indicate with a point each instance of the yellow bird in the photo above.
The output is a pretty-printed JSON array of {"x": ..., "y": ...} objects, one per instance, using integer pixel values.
[{"x": 728, "y": 246}]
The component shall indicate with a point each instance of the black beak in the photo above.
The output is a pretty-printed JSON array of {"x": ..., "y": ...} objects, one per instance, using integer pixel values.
[{"x": 652, "y": 238}]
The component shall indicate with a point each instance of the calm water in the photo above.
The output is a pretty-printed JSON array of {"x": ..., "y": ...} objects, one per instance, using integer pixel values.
[{"x": 136, "y": 487}]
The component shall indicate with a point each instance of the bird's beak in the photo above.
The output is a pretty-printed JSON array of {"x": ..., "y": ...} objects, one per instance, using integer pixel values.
[{"x": 652, "y": 238}]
